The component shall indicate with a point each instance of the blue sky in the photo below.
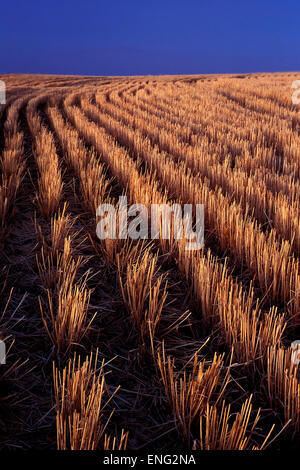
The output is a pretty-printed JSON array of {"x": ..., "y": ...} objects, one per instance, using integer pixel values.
[{"x": 157, "y": 37}]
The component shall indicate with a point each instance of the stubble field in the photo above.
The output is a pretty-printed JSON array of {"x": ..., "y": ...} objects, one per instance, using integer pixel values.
[{"x": 114, "y": 344}]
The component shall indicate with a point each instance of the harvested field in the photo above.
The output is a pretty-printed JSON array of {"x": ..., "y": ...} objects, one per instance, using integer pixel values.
[{"x": 121, "y": 344}]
